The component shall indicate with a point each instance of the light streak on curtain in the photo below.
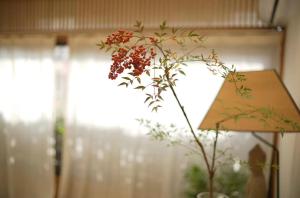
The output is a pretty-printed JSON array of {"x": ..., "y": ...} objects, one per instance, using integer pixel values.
[{"x": 26, "y": 107}]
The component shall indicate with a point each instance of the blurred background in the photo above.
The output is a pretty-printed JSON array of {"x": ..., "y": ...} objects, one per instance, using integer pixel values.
[{"x": 67, "y": 131}]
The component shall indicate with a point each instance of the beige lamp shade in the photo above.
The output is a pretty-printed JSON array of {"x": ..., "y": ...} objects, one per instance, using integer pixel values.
[{"x": 270, "y": 108}]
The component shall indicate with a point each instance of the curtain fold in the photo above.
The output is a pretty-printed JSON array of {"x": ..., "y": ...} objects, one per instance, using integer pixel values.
[
  {"x": 106, "y": 154},
  {"x": 26, "y": 107}
]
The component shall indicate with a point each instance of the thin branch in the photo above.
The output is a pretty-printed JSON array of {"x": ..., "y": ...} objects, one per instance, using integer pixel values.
[
  {"x": 214, "y": 149},
  {"x": 190, "y": 126},
  {"x": 184, "y": 113},
  {"x": 237, "y": 115}
]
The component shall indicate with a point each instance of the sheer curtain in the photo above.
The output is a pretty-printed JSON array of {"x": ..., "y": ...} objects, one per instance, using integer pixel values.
[
  {"x": 107, "y": 154},
  {"x": 26, "y": 106}
]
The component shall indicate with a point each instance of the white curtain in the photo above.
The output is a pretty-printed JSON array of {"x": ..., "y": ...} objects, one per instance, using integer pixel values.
[
  {"x": 105, "y": 153},
  {"x": 108, "y": 155},
  {"x": 26, "y": 107}
]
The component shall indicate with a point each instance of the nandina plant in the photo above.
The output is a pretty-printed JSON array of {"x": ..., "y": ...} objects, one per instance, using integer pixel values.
[{"x": 144, "y": 61}]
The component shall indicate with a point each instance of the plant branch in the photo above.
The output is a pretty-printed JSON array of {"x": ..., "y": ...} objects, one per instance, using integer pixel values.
[
  {"x": 184, "y": 113},
  {"x": 190, "y": 126},
  {"x": 214, "y": 149},
  {"x": 237, "y": 115},
  {"x": 212, "y": 168},
  {"x": 207, "y": 62}
]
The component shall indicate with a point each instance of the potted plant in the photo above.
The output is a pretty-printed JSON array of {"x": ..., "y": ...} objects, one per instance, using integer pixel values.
[{"x": 144, "y": 61}]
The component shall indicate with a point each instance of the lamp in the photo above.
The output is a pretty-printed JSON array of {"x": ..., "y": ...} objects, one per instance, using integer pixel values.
[{"x": 270, "y": 109}]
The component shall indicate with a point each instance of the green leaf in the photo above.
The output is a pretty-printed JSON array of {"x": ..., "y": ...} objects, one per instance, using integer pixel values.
[
  {"x": 101, "y": 45},
  {"x": 154, "y": 109},
  {"x": 157, "y": 34},
  {"x": 192, "y": 34},
  {"x": 163, "y": 25},
  {"x": 140, "y": 87},
  {"x": 148, "y": 98},
  {"x": 182, "y": 72},
  {"x": 160, "y": 97},
  {"x": 281, "y": 130},
  {"x": 149, "y": 95},
  {"x": 126, "y": 78},
  {"x": 184, "y": 64},
  {"x": 138, "y": 24},
  {"x": 123, "y": 83},
  {"x": 151, "y": 103},
  {"x": 173, "y": 75},
  {"x": 147, "y": 72}
]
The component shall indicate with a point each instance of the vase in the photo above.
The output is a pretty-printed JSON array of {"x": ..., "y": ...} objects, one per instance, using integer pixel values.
[{"x": 215, "y": 195}]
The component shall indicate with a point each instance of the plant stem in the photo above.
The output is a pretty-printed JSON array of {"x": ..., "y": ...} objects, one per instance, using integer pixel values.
[
  {"x": 209, "y": 168},
  {"x": 215, "y": 147},
  {"x": 190, "y": 126},
  {"x": 212, "y": 170}
]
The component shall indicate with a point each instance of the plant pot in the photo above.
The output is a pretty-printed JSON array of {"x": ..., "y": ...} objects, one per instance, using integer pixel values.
[{"x": 215, "y": 195}]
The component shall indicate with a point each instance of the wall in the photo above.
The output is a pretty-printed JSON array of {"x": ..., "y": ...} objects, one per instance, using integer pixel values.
[
  {"x": 290, "y": 144},
  {"x": 39, "y": 16}
]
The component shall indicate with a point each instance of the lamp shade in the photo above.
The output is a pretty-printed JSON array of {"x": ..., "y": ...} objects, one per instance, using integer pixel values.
[{"x": 270, "y": 108}]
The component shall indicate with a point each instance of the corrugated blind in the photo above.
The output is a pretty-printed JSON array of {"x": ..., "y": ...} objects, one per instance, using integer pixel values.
[{"x": 89, "y": 15}]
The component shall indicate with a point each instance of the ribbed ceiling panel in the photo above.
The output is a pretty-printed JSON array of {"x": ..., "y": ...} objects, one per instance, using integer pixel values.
[{"x": 89, "y": 15}]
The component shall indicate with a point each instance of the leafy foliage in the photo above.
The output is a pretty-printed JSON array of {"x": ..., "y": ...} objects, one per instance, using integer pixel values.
[
  {"x": 227, "y": 181},
  {"x": 196, "y": 179},
  {"x": 232, "y": 183},
  {"x": 136, "y": 54},
  {"x": 169, "y": 134},
  {"x": 267, "y": 116}
]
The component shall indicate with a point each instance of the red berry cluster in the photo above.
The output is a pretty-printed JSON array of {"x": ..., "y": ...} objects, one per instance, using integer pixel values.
[
  {"x": 136, "y": 60},
  {"x": 118, "y": 37}
]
